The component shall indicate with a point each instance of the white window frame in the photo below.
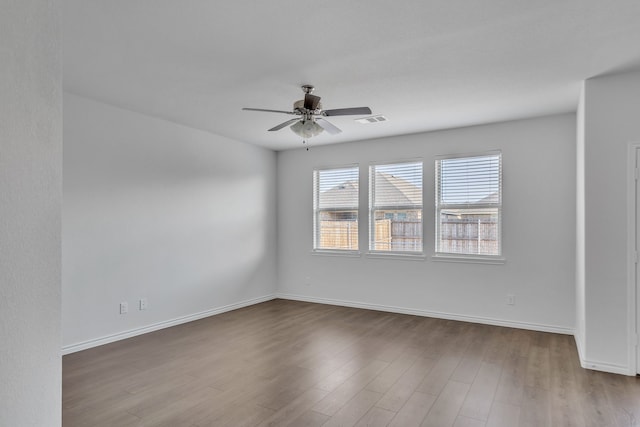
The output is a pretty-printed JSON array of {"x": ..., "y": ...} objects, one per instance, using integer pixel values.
[
  {"x": 317, "y": 211},
  {"x": 373, "y": 253},
  {"x": 471, "y": 258}
]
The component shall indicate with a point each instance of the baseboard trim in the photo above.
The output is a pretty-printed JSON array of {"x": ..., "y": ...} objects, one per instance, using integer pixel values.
[
  {"x": 84, "y": 345},
  {"x": 605, "y": 367},
  {"x": 436, "y": 314},
  {"x": 579, "y": 347},
  {"x": 599, "y": 366},
  {"x": 585, "y": 363}
]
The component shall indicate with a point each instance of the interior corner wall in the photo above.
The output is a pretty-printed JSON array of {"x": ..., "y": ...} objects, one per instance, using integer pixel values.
[
  {"x": 156, "y": 210},
  {"x": 539, "y": 159},
  {"x": 611, "y": 123},
  {"x": 580, "y": 225},
  {"x": 31, "y": 194}
]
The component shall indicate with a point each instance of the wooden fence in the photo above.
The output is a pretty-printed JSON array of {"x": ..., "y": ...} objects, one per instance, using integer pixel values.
[
  {"x": 390, "y": 235},
  {"x": 398, "y": 235},
  {"x": 339, "y": 235},
  {"x": 456, "y": 236},
  {"x": 469, "y": 237}
]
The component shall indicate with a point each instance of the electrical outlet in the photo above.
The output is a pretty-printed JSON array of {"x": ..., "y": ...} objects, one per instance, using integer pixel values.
[
  {"x": 143, "y": 304},
  {"x": 124, "y": 307},
  {"x": 511, "y": 299}
]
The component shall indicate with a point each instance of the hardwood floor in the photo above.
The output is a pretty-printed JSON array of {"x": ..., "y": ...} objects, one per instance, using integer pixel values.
[{"x": 301, "y": 364}]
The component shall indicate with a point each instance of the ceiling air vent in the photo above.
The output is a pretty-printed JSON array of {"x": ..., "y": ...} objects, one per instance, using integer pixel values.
[{"x": 372, "y": 119}]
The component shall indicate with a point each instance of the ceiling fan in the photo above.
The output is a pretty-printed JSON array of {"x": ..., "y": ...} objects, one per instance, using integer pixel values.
[{"x": 311, "y": 117}]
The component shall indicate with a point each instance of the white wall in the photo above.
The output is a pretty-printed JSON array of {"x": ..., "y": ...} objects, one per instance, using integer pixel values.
[
  {"x": 539, "y": 231},
  {"x": 157, "y": 210},
  {"x": 31, "y": 194},
  {"x": 580, "y": 225},
  {"x": 611, "y": 123}
]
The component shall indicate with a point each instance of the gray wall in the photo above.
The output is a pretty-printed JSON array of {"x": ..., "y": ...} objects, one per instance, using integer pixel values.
[
  {"x": 539, "y": 232},
  {"x": 580, "y": 226},
  {"x": 31, "y": 194},
  {"x": 156, "y": 210},
  {"x": 612, "y": 106}
]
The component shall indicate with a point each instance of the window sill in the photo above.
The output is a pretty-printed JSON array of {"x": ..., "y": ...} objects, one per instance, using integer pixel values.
[
  {"x": 471, "y": 259},
  {"x": 396, "y": 255},
  {"x": 328, "y": 252}
]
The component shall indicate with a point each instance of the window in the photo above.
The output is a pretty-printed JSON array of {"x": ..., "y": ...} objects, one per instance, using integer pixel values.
[
  {"x": 469, "y": 205},
  {"x": 395, "y": 207},
  {"x": 335, "y": 209}
]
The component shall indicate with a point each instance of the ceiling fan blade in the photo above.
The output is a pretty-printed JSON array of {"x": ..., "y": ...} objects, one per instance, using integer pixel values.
[
  {"x": 285, "y": 124},
  {"x": 269, "y": 111},
  {"x": 311, "y": 101},
  {"x": 347, "y": 111},
  {"x": 329, "y": 127}
]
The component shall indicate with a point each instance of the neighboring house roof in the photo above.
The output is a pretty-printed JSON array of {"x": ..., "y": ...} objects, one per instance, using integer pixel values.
[
  {"x": 491, "y": 198},
  {"x": 340, "y": 197},
  {"x": 394, "y": 191},
  {"x": 390, "y": 191}
]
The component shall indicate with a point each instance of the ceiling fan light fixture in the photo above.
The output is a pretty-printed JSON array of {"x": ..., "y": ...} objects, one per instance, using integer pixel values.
[{"x": 306, "y": 129}]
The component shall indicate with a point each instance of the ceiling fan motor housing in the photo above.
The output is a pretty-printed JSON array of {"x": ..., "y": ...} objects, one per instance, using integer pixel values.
[{"x": 299, "y": 106}]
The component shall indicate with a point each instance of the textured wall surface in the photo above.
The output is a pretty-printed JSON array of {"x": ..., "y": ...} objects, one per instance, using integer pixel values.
[
  {"x": 611, "y": 123},
  {"x": 31, "y": 194},
  {"x": 580, "y": 228},
  {"x": 156, "y": 210},
  {"x": 538, "y": 229}
]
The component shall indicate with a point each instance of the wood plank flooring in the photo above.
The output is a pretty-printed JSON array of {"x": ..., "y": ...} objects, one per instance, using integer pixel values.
[{"x": 287, "y": 363}]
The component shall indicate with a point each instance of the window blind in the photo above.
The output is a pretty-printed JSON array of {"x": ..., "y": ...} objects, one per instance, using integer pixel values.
[
  {"x": 335, "y": 208},
  {"x": 469, "y": 205},
  {"x": 395, "y": 207}
]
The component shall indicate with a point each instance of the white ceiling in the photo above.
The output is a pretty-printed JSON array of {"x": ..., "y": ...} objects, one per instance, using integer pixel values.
[{"x": 424, "y": 64}]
